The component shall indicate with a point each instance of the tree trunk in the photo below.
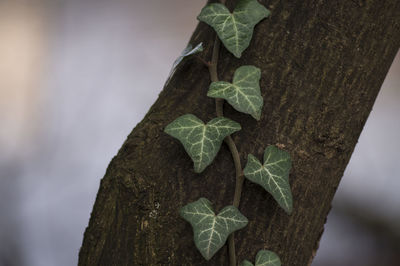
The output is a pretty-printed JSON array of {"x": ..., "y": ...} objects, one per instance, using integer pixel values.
[{"x": 323, "y": 63}]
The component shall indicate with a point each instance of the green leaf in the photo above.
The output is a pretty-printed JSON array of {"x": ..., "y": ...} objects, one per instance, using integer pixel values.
[
  {"x": 202, "y": 142},
  {"x": 210, "y": 230},
  {"x": 273, "y": 175},
  {"x": 246, "y": 263},
  {"x": 244, "y": 93},
  {"x": 234, "y": 29},
  {"x": 188, "y": 51},
  {"x": 264, "y": 258}
]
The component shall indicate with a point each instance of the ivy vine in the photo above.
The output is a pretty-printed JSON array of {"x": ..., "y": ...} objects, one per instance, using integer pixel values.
[{"x": 202, "y": 141}]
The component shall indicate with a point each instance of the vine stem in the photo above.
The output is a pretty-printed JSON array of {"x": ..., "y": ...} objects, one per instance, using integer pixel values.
[{"x": 219, "y": 103}]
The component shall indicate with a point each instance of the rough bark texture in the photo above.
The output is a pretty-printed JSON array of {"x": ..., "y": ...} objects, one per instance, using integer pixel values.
[{"x": 323, "y": 63}]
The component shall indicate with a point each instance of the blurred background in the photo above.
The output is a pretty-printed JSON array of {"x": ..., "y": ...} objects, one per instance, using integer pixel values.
[{"x": 77, "y": 75}]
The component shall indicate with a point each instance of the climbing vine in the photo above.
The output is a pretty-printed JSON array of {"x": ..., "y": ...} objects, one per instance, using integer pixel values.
[{"x": 202, "y": 141}]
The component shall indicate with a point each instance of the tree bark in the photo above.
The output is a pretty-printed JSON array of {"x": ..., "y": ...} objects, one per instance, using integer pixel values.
[{"x": 323, "y": 63}]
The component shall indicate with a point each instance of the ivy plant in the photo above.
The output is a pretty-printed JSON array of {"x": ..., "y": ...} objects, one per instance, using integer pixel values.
[
  {"x": 210, "y": 230},
  {"x": 264, "y": 258},
  {"x": 234, "y": 29},
  {"x": 243, "y": 93},
  {"x": 272, "y": 175},
  {"x": 202, "y": 141}
]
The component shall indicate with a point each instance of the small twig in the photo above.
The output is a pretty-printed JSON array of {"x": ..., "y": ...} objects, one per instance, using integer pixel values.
[
  {"x": 206, "y": 63},
  {"x": 214, "y": 61}
]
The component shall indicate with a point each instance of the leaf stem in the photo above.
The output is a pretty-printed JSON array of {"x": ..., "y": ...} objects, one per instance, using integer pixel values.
[
  {"x": 219, "y": 103},
  {"x": 214, "y": 61}
]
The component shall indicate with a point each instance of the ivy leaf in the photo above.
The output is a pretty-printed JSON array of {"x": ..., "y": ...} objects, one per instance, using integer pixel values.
[
  {"x": 264, "y": 258},
  {"x": 202, "y": 142},
  {"x": 246, "y": 263},
  {"x": 210, "y": 230},
  {"x": 244, "y": 93},
  {"x": 189, "y": 50},
  {"x": 234, "y": 29},
  {"x": 273, "y": 175}
]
